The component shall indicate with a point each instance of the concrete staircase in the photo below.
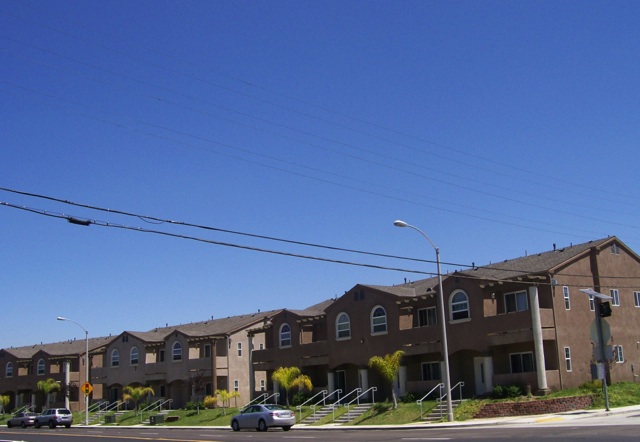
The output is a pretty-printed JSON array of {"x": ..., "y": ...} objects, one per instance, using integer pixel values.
[
  {"x": 440, "y": 411},
  {"x": 354, "y": 412}
]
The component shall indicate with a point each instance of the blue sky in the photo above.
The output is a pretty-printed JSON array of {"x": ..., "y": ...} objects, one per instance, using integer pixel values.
[{"x": 499, "y": 128}]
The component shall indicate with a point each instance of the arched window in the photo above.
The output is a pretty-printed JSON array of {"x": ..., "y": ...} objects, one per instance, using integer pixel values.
[
  {"x": 459, "y": 305},
  {"x": 115, "y": 358},
  {"x": 285, "y": 335},
  {"x": 176, "y": 351},
  {"x": 134, "y": 356},
  {"x": 41, "y": 367},
  {"x": 378, "y": 320},
  {"x": 8, "y": 372},
  {"x": 343, "y": 326}
]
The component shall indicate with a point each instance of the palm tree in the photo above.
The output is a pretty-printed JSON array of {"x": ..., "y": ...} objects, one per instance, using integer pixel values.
[
  {"x": 131, "y": 393},
  {"x": 291, "y": 377},
  {"x": 225, "y": 397},
  {"x": 48, "y": 386},
  {"x": 388, "y": 366}
]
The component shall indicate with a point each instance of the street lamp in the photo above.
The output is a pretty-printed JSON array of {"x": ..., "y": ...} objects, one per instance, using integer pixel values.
[
  {"x": 86, "y": 366},
  {"x": 445, "y": 349}
]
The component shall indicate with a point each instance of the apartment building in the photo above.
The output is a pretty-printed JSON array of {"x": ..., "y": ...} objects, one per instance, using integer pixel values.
[{"x": 521, "y": 321}]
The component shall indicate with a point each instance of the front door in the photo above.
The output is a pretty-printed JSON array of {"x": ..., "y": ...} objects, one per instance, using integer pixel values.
[
  {"x": 341, "y": 382},
  {"x": 483, "y": 371}
]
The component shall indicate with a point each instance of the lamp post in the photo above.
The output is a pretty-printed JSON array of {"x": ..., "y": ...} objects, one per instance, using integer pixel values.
[
  {"x": 445, "y": 349},
  {"x": 86, "y": 366}
]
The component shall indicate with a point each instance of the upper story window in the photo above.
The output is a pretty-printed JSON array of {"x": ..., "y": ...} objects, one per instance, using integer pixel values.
[
  {"x": 567, "y": 358},
  {"x": 125, "y": 338},
  {"x": 515, "y": 302},
  {"x": 378, "y": 320},
  {"x": 41, "y": 367},
  {"x": 427, "y": 317},
  {"x": 616, "y": 297},
  {"x": 176, "y": 352},
  {"x": 615, "y": 249},
  {"x": 207, "y": 350},
  {"x": 618, "y": 354},
  {"x": 115, "y": 358},
  {"x": 285, "y": 336},
  {"x": 134, "y": 356},
  {"x": 431, "y": 371},
  {"x": 459, "y": 303},
  {"x": 8, "y": 371},
  {"x": 567, "y": 300},
  {"x": 592, "y": 303},
  {"x": 343, "y": 326},
  {"x": 636, "y": 299},
  {"x": 239, "y": 349}
]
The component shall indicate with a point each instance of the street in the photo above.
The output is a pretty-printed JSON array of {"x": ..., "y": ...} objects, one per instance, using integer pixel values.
[{"x": 619, "y": 427}]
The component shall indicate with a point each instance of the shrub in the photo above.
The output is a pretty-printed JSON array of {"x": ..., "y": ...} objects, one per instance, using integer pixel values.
[
  {"x": 498, "y": 392},
  {"x": 300, "y": 397},
  {"x": 408, "y": 398},
  {"x": 194, "y": 405},
  {"x": 210, "y": 401},
  {"x": 509, "y": 391}
]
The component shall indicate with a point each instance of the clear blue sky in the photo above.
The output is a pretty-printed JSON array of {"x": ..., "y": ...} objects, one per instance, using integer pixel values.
[{"x": 497, "y": 127}]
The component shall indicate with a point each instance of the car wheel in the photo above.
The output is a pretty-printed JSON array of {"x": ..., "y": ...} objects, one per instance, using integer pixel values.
[
  {"x": 52, "y": 424},
  {"x": 9, "y": 425},
  {"x": 286, "y": 428},
  {"x": 23, "y": 424},
  {"x": 262, "y": 425},
  {"x": 235, "y": 426},
  {"x": 37, "y": 424}
]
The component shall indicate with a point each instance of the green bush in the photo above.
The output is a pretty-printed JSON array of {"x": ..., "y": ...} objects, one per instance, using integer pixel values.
[
  {"x": 509, "y": 391},
  {"x": 194, "y": 405},
  {"x": 300, "y": 397},
  {"x": 408, "y": 398}
]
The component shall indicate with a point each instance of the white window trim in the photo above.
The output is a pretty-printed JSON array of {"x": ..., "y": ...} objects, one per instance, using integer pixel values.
[
  {"x": 280, "y": 336},
  {"x": 457, "y": 321},
  {"x": 173, "y": 352},
  {"x": 131, "y": 356},
  {"x": 526, "y": 300},
  {"x": 343, "y": 338},
  {"x": 239, "y": 346},
  {"x": 8, "y": 370},
  {"x": 386, "y": 322},
  {"x": 115, "y": 352},
  {"x": 567, "y": 299},
  {"x": 615, "y": 294},
  {"x": 592, "y": 303},
  {"x": 426, "y": 309},
  {"x": 636, "y": 298},
  {"x": 567, "y": 359},
  {"x": 619, "y": 354}
]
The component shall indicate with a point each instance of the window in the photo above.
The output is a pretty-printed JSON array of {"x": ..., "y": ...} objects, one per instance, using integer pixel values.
[
  {"x": 618, "y": 354},
  {"x": 343, "y": 326},
  {"x": 636, "y": 299},
  {"x": 207, "y": 351},
  {"x": 378, "y": 320},
  {"x": 262, "y": 385},
  {"x": 615, "y": 249},
  {"x": 161, "y": 355},
  {"x": 133, "y": 356},
  {"x": 567, "y": 358},
  {"x": 427, "y": 317},
  {"x": 176, "y": 352},
  {"x": 41, "y": 367},
  {"x": 8, "y": 371},
  {"x": 261, "y": 346},
  {"x": 522, "y": 362},
  {"x": 125, "y": 338},
  {"x": 616, "y": 297},
  {"x": 567, "y": 301},
  {"x": 285, "y": 336},
  {"x": 459, "y": 306},
  {"x": 115, "y": 358},
  {"x": 236, "y": 385},
  {"x": 431, "y": 371},
  {"x": 239, "y": 349},
  {"x": 592, "y": 303},
  {"x": 515, "y": 302}
]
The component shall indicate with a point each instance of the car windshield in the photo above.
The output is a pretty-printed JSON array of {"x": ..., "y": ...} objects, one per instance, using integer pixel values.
[
  {"x": 64, "y": 412},
  {"x": 274, "y": 407}
]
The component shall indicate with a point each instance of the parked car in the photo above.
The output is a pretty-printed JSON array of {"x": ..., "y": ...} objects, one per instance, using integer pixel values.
[
  {"x": 262, "y": 417},
  {"x": 54, "y": 417},
  {"x": 23, "y": 419}
]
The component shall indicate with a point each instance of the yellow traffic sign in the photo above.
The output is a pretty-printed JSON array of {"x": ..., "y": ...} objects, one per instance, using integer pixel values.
[{"x": 86, "y": 388}]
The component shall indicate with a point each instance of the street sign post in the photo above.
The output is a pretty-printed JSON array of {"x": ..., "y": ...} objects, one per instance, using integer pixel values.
[{"x": 86, "y": 388}]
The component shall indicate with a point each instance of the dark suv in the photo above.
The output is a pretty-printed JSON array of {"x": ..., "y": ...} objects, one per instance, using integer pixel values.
[{"x": 54, "y": 417}]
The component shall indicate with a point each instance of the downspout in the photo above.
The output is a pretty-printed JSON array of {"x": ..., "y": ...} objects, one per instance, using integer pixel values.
[{"x": 555, "y": 327}]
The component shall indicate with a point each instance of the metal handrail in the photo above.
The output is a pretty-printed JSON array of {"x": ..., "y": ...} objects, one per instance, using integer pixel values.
[
  {"x": 337, "y": 403},
  {"x": 256, "y": 400},
  {"x": 357, "y": 398},
  {"x": 274, "y": 395},
  {"x": 324, "y": 396},
  {"x": 419, "y": 401}
]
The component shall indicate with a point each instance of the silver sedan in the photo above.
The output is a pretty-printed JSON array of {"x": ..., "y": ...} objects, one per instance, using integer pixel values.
[
  {"x": 23, "y": 419},
  {"x": 262, "y": 417}
]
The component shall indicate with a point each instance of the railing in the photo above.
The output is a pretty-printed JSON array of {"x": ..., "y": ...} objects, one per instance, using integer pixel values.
[
  {"x": 24, "y": 408},
  {"x": 262, "y": 399},
  {"x": 337, "y": 403},
  {"x": 156, "y": 406},
  {"x": 97, "y": 406},
  {"x": 324, "y": 397},
  {"x": 357, "y": 398},
  {"x": 419, "y": 401},
  {"x": 109, "y": 408},
  {"x": 441, "y": 398}
]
